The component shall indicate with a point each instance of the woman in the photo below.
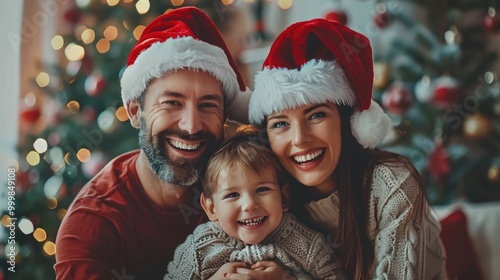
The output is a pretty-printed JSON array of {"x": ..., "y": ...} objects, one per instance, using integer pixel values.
[{"x": 313, "y": 101}]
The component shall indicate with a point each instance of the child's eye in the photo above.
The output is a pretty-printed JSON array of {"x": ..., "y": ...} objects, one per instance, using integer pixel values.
[
  {"x": 262, "y": 189},
  {"x": 232, "y": 195}
]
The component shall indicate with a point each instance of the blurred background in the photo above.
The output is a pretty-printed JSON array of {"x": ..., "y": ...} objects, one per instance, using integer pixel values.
[{"x": 437, "y": 74}]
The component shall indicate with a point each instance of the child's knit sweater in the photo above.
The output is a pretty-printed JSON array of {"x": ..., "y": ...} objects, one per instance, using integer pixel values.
[{"x": 298, "y": 249}]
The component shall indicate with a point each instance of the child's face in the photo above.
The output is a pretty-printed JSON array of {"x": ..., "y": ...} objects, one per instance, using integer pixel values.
[{"x": 248, "y": 206}]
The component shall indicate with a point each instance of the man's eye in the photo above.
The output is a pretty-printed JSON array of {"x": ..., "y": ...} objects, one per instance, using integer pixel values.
[
  {"x": 208, "y": 105},
  {"x": 171, "y": 102}
]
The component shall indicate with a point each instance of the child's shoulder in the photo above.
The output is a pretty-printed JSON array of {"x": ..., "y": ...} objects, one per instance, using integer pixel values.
[{"x": 207, "y": 231}]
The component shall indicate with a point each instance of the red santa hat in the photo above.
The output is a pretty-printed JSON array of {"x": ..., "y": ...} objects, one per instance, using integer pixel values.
[
  {"x": 316, "y": 61},
  {"x": 185, "y": 38}
]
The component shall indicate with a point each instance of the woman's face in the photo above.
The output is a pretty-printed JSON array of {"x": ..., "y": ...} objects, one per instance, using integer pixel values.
[{"x": 307, "y": 141}]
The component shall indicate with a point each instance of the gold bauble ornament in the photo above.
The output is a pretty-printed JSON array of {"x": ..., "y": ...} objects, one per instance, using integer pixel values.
[
  {"x": 382, "y": 75},
  {"x": 494, "y": 174},
  {"x": 477, "y": 126}
]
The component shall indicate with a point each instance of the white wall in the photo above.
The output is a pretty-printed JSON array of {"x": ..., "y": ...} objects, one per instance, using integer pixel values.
[{"x": 10, "y": 30}]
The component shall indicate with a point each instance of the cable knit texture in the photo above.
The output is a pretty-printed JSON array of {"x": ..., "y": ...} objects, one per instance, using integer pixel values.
[
  {"x": 301, "y": 251},
  {"x": 402, "y": 251}
]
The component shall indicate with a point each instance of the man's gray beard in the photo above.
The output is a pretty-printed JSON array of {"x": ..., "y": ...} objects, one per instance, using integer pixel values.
[{"x": 182, "y": 172}]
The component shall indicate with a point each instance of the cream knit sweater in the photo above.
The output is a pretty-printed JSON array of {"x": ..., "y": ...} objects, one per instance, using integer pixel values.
[
  {"x": 303, "y": 252},
  {"x": 402, "y": 251}
]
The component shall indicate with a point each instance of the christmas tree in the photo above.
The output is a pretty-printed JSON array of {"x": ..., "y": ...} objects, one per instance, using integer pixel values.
[
  {"x": 433, "y": 76},
  {"x": 77, "y": 118}
]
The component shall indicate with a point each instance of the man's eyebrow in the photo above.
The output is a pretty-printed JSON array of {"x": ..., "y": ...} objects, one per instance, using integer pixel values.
[
  {"x": 216, "y": 97},
  {"x": 172, "y": 94}
]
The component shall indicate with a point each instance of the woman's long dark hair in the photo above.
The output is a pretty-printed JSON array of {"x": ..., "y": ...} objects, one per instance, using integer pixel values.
[{"x": 354, "y": 172}]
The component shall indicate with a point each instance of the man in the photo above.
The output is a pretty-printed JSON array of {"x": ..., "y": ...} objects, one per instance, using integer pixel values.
[{"x": 127, "y": 221}]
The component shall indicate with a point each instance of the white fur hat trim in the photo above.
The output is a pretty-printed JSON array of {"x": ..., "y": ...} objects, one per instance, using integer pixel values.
[
  {"x": 173, "y": 54},
  {"x": 317, "y": 81}
]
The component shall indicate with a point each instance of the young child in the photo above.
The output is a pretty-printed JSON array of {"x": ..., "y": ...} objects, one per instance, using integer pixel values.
[{"x": 244, "y": 199}]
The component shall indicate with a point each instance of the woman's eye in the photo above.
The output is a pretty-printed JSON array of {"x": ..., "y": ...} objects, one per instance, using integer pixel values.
[
  {"x": 232, "y": 195},
  {"x": 279, "y": 125},
  {"x": 317, "y": 115}
]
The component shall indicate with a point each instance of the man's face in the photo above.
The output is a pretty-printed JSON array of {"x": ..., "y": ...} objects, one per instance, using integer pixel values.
[{"x": 181, "y": 124}]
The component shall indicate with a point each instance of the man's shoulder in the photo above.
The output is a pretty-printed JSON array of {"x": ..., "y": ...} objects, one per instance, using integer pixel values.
[
  {"x": 113, "y": 180},
  {"x": 119, "y": 171}
]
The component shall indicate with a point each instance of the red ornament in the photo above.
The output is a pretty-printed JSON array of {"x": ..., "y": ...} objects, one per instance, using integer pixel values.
[
  {"x": 337, "y": 15},
  {"x": 94, "y": 84},
  {"x": 492, "y": 23},
  {"x": 439, "y": 162},
  {"x": 447, "y": 91},
  {"x": 72, "y": 15},
  {"x": 89, "y": 114},
  {"x": 23, "y": 181},
  {"x": 87, "y": 65},
  {"x": 30, "y": 114},
  {"x": 382, "y": 20},
  {"x": 397, "y": 99}
]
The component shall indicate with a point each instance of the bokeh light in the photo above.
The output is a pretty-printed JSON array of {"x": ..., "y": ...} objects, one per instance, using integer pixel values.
[
  {"x": 57, "y": 42},
  {"x": 52, "y": 186},
  {"x": 40, "y": 235},
  {"x": 285, "y": 4},
  {"x": 142, "y": 6},
  {"x": 112, "y": 3},
  {"x": 103, "y": 45},
  {"x": 40, "y": 145},
  {"x": 110, "y": 33},
  {"x": 50, "y": 248},
  {"x": 121, "y": 114},
  {"x": 177, "y": 2},
  {"x": 88, "y": 36},
  {"x": 83, "y": 155},
  {"x": 138, "y": 31},
  {"x": 26, "y": 226},
  {"x": 52, "y": 203},
  {"x": 74, "y": 52},
  {"x": 73, "y": 107},
  {"x": 42, "y": 79},
  {"x": 33, "y": 158}
]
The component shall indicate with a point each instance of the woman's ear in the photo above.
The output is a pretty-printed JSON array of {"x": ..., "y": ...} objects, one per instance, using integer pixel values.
[
  {"x": 133, "y": 110},
  {"x": 285, "y": 197},
  {"x": 208, "y": 207}
]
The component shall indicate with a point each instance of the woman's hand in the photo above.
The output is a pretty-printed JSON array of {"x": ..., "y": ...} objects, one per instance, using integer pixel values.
[{"x": 261, "y": 270}]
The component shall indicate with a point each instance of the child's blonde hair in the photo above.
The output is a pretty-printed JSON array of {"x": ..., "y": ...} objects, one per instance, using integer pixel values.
[{"x": 244, "y": 150}]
